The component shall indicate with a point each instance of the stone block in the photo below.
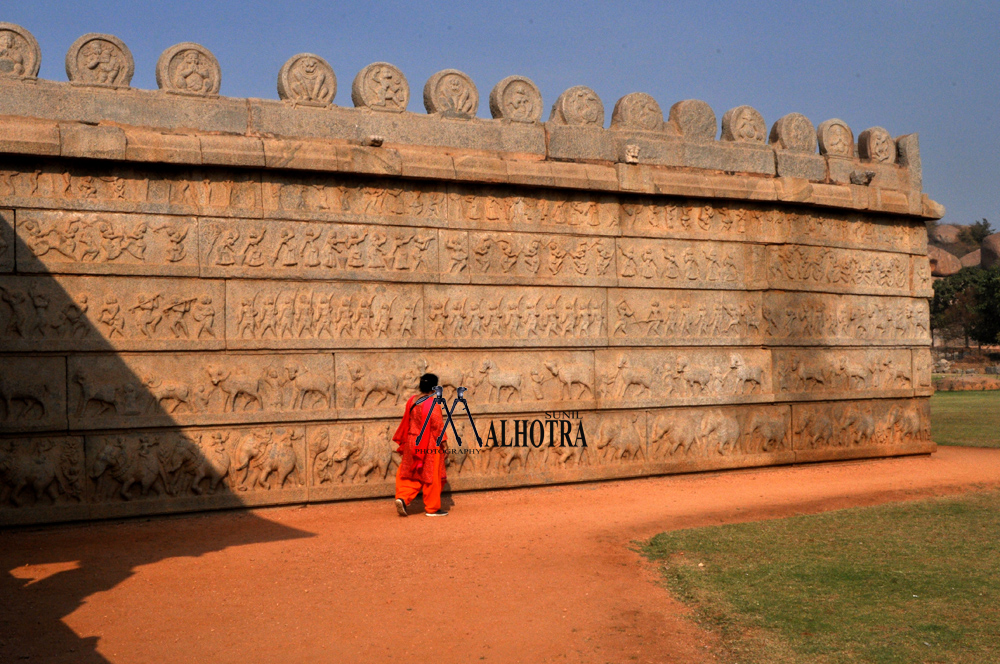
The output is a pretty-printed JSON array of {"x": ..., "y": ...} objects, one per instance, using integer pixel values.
[
  {"x": 930, "y": 209},
  {"x": 730, "y": 157},
  {"x": 572, "y": 176},
  {"x": 972, "y": 259},
  {"x": 840, "y": 169},
  {"x": 887, "y": 200},
  {"x": 635, "y": 178},
  {"x": 633, "y": 147},
  {"x": 819, "y": 374},
  {"x": 480, "y": 168},
  {"x": 579, "y": 142},
  {"x": 33, "y": 393},
  {"x": 91, "y": 141},
  {"x": 56, "y": 488},
  {"x": 871, "y": 320},
  {"x": 20, "y": 135},
  {"x": 648, "y": 262},
  {"x": 858, "y": 429},
  {"x": 426, "y": 164},
  {"x": 833, "y": 195},
  {"x": 228, "y": 150},
  {"x": 846, "y": 271},
  {"x": 800, "y": 165},
  {"x": 908, "y": 148},
  {"x": 143, "y": 145},
  {"x": 313, "y": 155},
  {"x": 536, "y": 173},
  {"x": 603, "y": 177},
  {"x": 369, "y": 160},
  {"x": 674, "y": 317},
  {"x": 62, "y": 242}
]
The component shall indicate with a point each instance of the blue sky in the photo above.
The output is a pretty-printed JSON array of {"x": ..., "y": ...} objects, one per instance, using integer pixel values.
[{"x": 931, "y": 68}]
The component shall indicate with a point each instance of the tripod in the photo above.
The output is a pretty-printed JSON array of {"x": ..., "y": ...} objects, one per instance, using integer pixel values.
[{"x": 439, "y": 399}]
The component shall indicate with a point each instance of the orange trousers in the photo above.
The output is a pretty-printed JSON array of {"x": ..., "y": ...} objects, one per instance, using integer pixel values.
[{"x": 408, "y": 490}]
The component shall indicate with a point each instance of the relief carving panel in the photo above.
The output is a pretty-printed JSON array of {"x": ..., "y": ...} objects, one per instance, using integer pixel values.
[
  {"x": 828, "y": 429},
  {"x": 320, "y": 314},
  {"x": 689, "y": 434},
  {"x": 565, "y": 212},
  {"x": 106, "y": 243},
  {"x": 301, "y": 250},
  {"x": 655, "y": 317},
  {"x": 655, "y": 376},
  {"x": 651, "y": 217},
  {"x": 376, "y": 385},
  {"x": 794, "y": 267},
  {"x": 33, "y": 394},
  {"x": 822, "y": 373},
  {"x": 813, "y": 319},
  {"x": 252, "y": 464},
  {"x": 38, "y": 472},
  {"x": 100, "y": 313},
  {"x": 681, "y": 264},
  {"x": 6, "y": 241},
  {"x": 165, "y": 389}
]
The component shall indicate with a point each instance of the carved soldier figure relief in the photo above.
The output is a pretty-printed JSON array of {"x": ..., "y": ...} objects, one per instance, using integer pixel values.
[
  {"x": 100, "y": 60},
  {"x": 381, "y": 87},
  {"x": 743, "y": 124},
  {"x": 307, "y": 79},
  {"x": 578, "y": 106},
  {"x": 876, "y": 145},
  {"x": 189, "y": 69}
]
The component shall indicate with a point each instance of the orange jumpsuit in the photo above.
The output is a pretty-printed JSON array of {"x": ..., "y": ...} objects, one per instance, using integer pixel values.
[{"x": 421, "y": 468}]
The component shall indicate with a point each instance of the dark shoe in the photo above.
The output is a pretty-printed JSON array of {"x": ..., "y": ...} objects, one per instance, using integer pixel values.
[
  {"x": 400, "y": 507},
  {"x": 435, "y": 514}
]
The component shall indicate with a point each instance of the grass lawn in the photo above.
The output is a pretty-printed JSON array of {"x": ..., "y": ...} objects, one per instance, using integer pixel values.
[
  {"x": 966, "y": 418},
  {"x": 913, "y": 582}
]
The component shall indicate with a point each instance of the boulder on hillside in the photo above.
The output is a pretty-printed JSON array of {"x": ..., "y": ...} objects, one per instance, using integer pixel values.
[
  {"x": 946, "y": 233},
  {"x": 972, "y": 259},
  {"x": 943, "y": 264},
  {"x": 991, "y": 251}
]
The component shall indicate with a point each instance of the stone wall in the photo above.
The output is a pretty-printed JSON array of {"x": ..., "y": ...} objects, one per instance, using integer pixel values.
[{"x": 210, "y": 302}]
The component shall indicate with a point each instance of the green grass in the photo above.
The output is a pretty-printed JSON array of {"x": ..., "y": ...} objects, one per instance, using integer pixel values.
[
  {"x": 966, "y": 418},
  {"x": 904, "y": 583}
]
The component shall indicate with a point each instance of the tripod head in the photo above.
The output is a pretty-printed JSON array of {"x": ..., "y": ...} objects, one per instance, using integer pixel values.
[
  {"x": 438, "y": 392},
  {"x": 461, "y": 393}
]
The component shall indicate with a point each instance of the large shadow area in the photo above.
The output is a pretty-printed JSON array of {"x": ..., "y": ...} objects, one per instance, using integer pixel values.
[{"x": 49, "y": 469}]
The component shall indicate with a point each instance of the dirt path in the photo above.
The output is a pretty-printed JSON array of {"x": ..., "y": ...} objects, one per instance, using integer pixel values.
[{"x": 528, "y": 575}]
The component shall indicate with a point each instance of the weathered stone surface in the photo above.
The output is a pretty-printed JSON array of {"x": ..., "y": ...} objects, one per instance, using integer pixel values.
[
  {"x": 861, "y": 428},
  {"x": 991, "y": 251},
  {"x": 307, "y": 79},
  {"x": 661, "y": 317},
  {"x": 946, "y": 233},
  {"x": 681, "y": 264},
  {"x": 578, "y": 106},
  {"x": 638, "y": 112},
  {"x": 6, "y": 241},
  {"x": 794, "y": 132},
  {"x": 793, "y": 267},
  {"x": 381, "y": 87},
  {"x": 876, "y": 145},
  {"x": 451, "y": 94},
  {"x": 943, "y": 263},
  {"x": 517, "y": 99},
  {"x": 812, "y": 319},
  {"x": 33, "y": 394},
  {"x": 20, "y": 56},
  {"x": 694, "y": 119},
  {"x": 822, "y": 374},
  {"x": 835, "y": 139},
  {"x": 972, "y": 259},
  {"x": 744, "y": 124},
  {"x": 91, "y": 243},
  {"x": 189, "y": 69},
  {"x": 100, "y": 60}
]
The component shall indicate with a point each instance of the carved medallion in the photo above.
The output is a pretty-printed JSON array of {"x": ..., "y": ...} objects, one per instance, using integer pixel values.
[
  {"x": 876, "y": 144},
  {"x": 381, "y": 87},
  {"x": 19, "y": 52},
  {"x": 744, "y": 124},
  {"x": 835, "y": 138},
  {"x": 794, "y": 132},
  {"x": 517, "y": 99},
  {"x": 695, "y": 120},
  {"x": 637, "y": 111},
  {"x": 190, "y": 69},
  {"x": 451, "y": 94},
  {"x": 100, "y": 60},
  {"x": 307, "y": 79},
  {"x": 578, "y": 106}
]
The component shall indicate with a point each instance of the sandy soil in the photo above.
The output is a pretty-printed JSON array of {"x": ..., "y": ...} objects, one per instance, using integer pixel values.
[{"x": 527, "y": 575}]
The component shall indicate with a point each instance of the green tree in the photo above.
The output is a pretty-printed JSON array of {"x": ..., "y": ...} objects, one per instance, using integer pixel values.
[
  {"x": 966, "y": 305},
  {"x": 976, "y": 233}
]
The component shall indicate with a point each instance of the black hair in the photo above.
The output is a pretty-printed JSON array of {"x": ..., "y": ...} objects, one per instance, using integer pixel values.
[{"x": 428, "y": 382}]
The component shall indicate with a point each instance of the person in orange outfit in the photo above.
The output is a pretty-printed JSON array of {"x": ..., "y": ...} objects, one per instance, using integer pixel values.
[{"x": 422, "y": 466}]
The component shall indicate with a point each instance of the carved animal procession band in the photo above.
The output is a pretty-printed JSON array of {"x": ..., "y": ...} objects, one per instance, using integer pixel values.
[{"x": 208, "y": 302}]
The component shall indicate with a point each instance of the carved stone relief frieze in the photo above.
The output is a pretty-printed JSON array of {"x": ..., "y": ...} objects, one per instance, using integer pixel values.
[
  {"x": 371, "y": 385},
  {"x": 100, "y": 313},
  {"x": 853, "y": 231},
  {"x": 33, "y": 394},
  {"x": 40, "y": 472},
  {"x": 20, "y": 56},
  {"x": 841, "y": 427},
  {"x": 345, "y": 454},
  {"x": 822, "y": 373},
  {"x": 296, "y": 250},
  {"x": 682, "y": 264},
  {"x": 923, "y": 364},
  {"x": 237, "y": 463},
  {"x": 654, "y": 317},
  {"x": 813, "y": 319},
  {"x": 795, "y": 267},
  {"x": 106, "y": 243},
  {"x": 696, "y": 220},
  {"x": 320, "y": 314},
  {"x": 165, "y": 389},
  {"x": 660, "y": 376},
  {"x": 720, "y": 434},
  {"x": 100, "y": 60},
  {"x": 580, "y": 213},
  {"x": 533, "y": 316}
]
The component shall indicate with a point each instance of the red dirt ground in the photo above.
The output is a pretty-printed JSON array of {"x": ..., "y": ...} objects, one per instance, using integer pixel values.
[{"x": 527, "y": 575}]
